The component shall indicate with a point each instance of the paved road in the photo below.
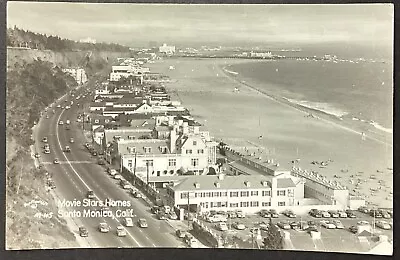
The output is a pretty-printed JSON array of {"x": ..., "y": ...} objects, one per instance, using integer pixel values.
[{"x": 78, "y": 173}]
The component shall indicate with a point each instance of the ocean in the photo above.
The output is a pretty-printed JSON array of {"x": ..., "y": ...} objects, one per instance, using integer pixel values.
[{"x": 357, "y": 90}]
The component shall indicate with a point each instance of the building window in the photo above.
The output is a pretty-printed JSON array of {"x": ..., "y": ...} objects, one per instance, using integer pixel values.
[
  {"x": 254, "y": 204},
  {"x": 224, "y": 204},
  {"x": 132, "y": 149},
  {"x": 224, "y": 194},
  {"x": 281, "y": 203},
  {"x": 172, "y": 162},
  {"x": 131, "y": 137},
  {"x": 200, "y": 151},
  {"x": 254, "y": 193},
  {"x": 149, "y": 162},
  {"x": 244, "y": 204},
  {"x": 215, "y": 194},
  {"x": 147, "y": 149},
  {"x": 266, "y": 204},
  {"x": 244, "y": 194},
  {"x": 266, "y": 193},
  {"x": 130, "y": 163},
  {"x": 234, "y": 194},
  {"x": 163, "y": 149},
  {"x": 165, "y": 172},
  {"x": 281, "y": 193},
  {"x": 195, "y": 162},
  {"x": 234, "y": 205},
  {"x": 188, "y": 151},
  {"x": 194, "y": 142},
  {"x": 171, "y": 172},
  {"x": 184, "y": 195}
]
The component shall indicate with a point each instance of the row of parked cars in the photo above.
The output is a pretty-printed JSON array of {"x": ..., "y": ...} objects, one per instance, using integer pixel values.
[
  {"x": 124, "y": 183},
  {"x": 377, "y": 213},
  {"x": 332, "y": 213}
]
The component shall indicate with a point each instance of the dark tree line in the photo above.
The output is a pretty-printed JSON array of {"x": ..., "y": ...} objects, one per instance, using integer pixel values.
[{"x": 20, "y": 38}]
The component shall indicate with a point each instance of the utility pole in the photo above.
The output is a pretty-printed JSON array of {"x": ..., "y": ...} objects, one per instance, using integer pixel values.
[
  {"x": 147, "y": 179},
  {"x": 134, "y": 171},
  {"x": 188, "y": 197}
]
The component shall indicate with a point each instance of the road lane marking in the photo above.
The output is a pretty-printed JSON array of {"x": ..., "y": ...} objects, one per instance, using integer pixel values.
[
  {"x": 84, "y": 183},
  {"x": 70, "y": 162}
]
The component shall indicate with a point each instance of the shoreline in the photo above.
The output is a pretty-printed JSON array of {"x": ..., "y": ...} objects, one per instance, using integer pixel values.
[
  {"x": 240, "y": 117},
  {"x": 379, "y": 135}
]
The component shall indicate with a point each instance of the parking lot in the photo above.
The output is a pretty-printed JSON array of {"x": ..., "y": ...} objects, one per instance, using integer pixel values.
[{"x": 340, "y": 240}]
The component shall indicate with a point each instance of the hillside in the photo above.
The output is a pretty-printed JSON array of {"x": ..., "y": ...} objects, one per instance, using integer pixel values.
[{"x": 34, "y": 80}]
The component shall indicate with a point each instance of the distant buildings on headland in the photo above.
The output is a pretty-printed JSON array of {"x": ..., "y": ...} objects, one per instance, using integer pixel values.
[{"x": 88, "y": 40}]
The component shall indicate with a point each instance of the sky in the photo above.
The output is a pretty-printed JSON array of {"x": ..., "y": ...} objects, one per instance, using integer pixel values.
[{"x": 133, "y": 24}]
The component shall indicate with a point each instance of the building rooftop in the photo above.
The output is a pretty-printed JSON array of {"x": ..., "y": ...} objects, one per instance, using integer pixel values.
[
  {"x": 143, "y": 146},
  {"x": 211, "y": 182}
]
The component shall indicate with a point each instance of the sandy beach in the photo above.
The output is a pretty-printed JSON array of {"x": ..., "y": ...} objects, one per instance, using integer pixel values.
[{"x": 240, "y": 117}]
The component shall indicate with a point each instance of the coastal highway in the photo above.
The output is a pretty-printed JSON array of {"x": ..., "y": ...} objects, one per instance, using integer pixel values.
[{"x": 78, "y": 172}]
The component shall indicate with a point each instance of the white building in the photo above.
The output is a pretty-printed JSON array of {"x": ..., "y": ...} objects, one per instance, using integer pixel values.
[
  {"x": 88, "y": 40},
  {"x": 120, "y": 71},
  {"x": 166, "y": 49},
  {"x": 248, "y": 193},
  {"x": 79, "y": 74}
]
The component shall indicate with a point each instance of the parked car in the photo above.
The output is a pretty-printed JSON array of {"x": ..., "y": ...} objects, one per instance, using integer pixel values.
[
  {"x": 274, "y": 214},
  {"x": 37, "y": 155},
  {"x": 325, "y": 214},
  {"x": 312, "y": 223},
  {"x": 67, "y": 149},
  {"x": 363, "y": 223},
  {"x": 350, "y": 214},
  {"x": 222, "y": 226},
  {"x": 121, "y": 232},
  {"x": 137, "y": 195},
  {"x": 289, "y": 214},
  {"x": 375, "y": 213},
  {"x": 283, "y": 225},
  {"x": 190, "y": 240},
  {"x": 216, "y": 218},
  {"x": 180, "y": 233},
  {"x": 142, "y": 223},
  {"x": 295, "y": 225},
  {"x": 385, "y": 214},
  {"x": 125, "y": 184},
  {"x": 342, "y": 214},
  {"x": 46, "y": 151},
  {"x": 128, "y": 222},
  {"x": 117, "y": 177},
  {"x": 172, "y": 215},
  {"x": 104, "y": 227},
  {"x": 90, "y": 194},
  {"x": 232, "y": 214},
  {"x": 338, "y": 224},
  {"x": 83, "y": 232},
  {"x": 240, "y": 214},
  {"x": 56, "y": 161},
  {"x": 315, "y": 213},
  {"x": 239, "y": 226},
  {"x": 312, "y": 229},
  {"x": 328, "y": 225},
  {"x": 353, "y": 229},
  {"x": 265, "y": 213},
  {"x": 333, "y": 213},
  {"x": 161, "y": 215},
  {"x": 113, "y": 172},
  {"x": 154, "y": 209},
  {"x": 303, "y": 225},
  {"x": 383, "y": 225},
  {"x": 363, "y": 209},
  {"x": 45, "y": 140}
]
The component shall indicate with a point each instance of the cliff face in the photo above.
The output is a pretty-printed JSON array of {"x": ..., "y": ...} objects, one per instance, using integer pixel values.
[{"x": 34, "y": 80}]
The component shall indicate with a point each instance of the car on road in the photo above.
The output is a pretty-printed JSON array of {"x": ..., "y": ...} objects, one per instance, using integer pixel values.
[
  {"x": 295, "y": 225},
  {"x": 104, "y": 227},
  {"x": 342, "y": 214},
  {"x": 121, "y": 232},
  {"x": 325, "y": 214},
  {"x": 383, "y": 225},
  {"x": 46, "y": 151},
  {"x": 180, "y": 233},
  {"x": 154, "y": 209},
  {"x": 128, "y": 222},
  {"x": 87, "y": 145},
  {"x": 289, "y": 214},
  {"x": 56, "y": 161},
  {"x": 44, "y": 140},
  {"x": 117, "y": 177},
  {"x": 265, "y": 213},
  {"x": 58, "y": 106},
  {"x": 90, "y": 194},
  {"x": 93, "y": 152},
  {"x": 37, "y": 155},
  {"x": 46, "y": 147},
  {"x": 385, "y": 214},
  {"x": 363, "y": 209},
  {"x": 137, "y": 195},
  {"x": 239, "y": 226},
  {"x": 333, "y": 213},
  {"x": 327, "y": 224},
  {"x": 83, "y": 232},
  {"x": 112, "y": 172},
  {"x": 350, "y": 214},
  {"x": 67, "y": 149},
  {"x": 363, "y": 223},
  {"x": 283, "y": 225},
  {"x": 71, "y": 140},
  {"x": 172, "y": 215},
  {"x": 142, "y": 223},
  {"x": 338, "y": 224},
  {"x": 125, "y": 184},
  {"x": 222, "y": 226},
  {"x": 60, "y": 122},
  {"x": 274, "y": 214}
]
